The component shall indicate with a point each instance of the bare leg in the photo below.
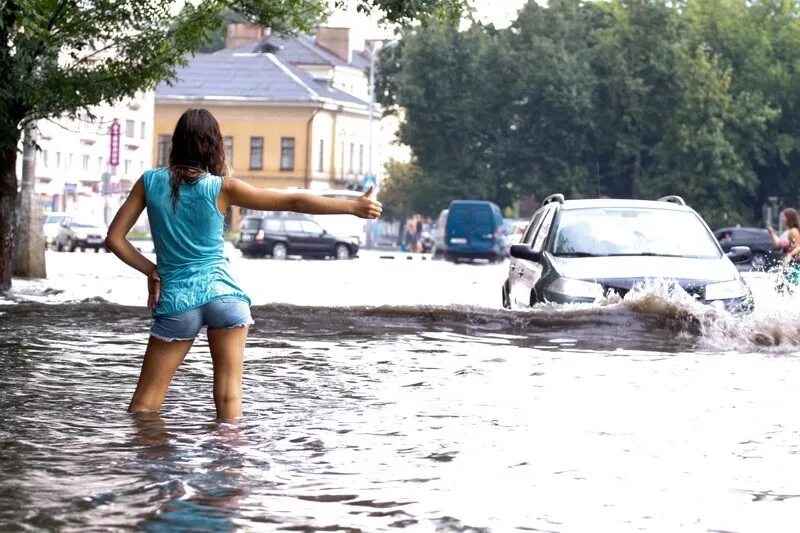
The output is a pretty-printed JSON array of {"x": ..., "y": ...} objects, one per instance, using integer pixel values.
[
  {"x": 227, "y": 353},
  {"x": 161, "y": 360}
]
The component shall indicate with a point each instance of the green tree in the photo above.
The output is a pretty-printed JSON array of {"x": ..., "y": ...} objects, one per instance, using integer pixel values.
[
  {"x": 548, "y": 145},
  {"x": 59, "y": 57},
  {"x": 697, "y": 155},
  {"x": 758, "y": 42}
]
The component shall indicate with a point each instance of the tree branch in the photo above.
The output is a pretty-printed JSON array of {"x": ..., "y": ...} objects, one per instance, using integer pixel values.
[{"x": 50, "y": 23}]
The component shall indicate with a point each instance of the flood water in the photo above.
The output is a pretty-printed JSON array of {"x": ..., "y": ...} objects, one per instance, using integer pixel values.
[{"x": 384, "y": 394}]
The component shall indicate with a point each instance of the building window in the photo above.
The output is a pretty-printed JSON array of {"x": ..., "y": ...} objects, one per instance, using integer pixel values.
[
  {"x": 44, "y": 158},
  {"x": 86, "y": 163},
  {"x": 141, "y": 166},
  {"x": 256, "y": 153},
  {"x": 287, "y": 153},
  {"x": 321, "y": 163},
  {"x": 58, "y": 159},
  {"x": 99, "y": 163},
  {"x": 129, "y": 127},
  {"x": 229, "y": 150},
  {"x": 163, "y": 150},
  {"x": 127, "y": 166},
  {"x": 70, "y": 162},
  {"x": 361, "y": 159},
  {"x": 144, "y": 129},
  {"x": 352, "y": 156}
]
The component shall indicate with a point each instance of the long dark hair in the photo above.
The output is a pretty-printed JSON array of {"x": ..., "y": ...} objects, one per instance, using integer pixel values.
[
  {"x": 792, "y": 218},
  {"x": 197, "y": 148}
]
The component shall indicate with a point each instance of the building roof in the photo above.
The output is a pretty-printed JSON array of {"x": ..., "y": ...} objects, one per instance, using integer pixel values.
[
  {"x": 297, "y": 50},
  {"x": 249, "y": 76}
]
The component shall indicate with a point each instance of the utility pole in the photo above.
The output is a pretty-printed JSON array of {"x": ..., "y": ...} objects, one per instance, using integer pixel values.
[{"x": 29, "y": 238}]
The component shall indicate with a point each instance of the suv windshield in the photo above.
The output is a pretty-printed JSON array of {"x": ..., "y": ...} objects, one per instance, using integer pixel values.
[{"x": 632, "y": 231}]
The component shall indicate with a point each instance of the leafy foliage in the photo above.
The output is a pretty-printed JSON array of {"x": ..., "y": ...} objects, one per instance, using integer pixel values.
[{"x": 623, "y": 98}]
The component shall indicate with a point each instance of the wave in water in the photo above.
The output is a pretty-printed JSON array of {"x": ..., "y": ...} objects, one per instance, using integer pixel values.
[{"x": 656, "y": 318}]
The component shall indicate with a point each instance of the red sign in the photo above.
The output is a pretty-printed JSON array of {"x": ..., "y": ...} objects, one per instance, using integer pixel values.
[{"x": 113, "y": 157}]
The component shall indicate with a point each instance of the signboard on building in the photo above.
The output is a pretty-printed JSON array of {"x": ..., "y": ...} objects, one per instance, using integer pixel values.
[{"x": 113, "y": 156}]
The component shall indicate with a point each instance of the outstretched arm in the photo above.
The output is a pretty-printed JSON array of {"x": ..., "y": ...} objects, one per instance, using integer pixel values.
[{"x": 237, "y": 192}]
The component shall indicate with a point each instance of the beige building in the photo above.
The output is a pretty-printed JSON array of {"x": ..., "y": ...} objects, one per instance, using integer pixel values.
[{"x": 294, "y": 113}]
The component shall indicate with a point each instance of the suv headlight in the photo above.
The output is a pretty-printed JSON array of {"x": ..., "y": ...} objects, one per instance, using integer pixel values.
[
  {"x": 576, "y": 288},
  {"x": 725, "y": 290}
]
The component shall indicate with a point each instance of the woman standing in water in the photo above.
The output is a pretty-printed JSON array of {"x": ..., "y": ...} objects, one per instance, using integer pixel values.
[
  {"x": 789, "y": 242},
  {"x": 191, "y": 285}
]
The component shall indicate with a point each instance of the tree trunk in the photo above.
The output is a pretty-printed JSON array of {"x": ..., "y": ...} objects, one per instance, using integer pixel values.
[
  {"x": 8, "y": 197},
  {"x": 29, "y": 241}
]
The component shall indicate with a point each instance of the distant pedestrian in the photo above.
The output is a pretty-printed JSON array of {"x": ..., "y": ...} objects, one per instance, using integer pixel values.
[
  {"x": 191, "y": 286},
  {"x": 789, "y": 242}
]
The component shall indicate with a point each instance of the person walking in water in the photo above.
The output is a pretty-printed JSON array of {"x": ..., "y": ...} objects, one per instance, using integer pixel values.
[
  {"x": 191, "y": 286},
  {"x": 789, "y": 242}
]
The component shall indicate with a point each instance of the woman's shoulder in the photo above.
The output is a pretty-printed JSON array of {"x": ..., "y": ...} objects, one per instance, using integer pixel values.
[{"x": 155, "y": 172}]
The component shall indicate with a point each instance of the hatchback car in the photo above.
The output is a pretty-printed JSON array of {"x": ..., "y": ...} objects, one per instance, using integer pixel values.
[
  {"x": 580, "y": 250},
  {"x": 764, "y": 255},
  {"x": 283, "y": 235},
  {"x": 74, "y": 233}
]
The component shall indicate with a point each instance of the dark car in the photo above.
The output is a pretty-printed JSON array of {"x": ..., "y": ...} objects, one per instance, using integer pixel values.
[
  {"x": 84, "y": 234},
  {"x": 580, "y": 250},
  {"x": 474, "y": 230},
  {"x": 763, "y": 257},
  {"x": 283, "y": 235}
]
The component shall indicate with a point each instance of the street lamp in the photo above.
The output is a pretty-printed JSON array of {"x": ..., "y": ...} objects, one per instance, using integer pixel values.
[{"x": 375, "y": 49}]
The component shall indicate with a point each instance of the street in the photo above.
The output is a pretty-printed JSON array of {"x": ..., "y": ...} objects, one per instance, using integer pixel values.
[{"x": 374, "y": 278}]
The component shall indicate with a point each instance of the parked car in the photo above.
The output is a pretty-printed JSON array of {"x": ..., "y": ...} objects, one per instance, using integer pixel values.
[
  {"x": 438, "y": 236},
  {"x": 579, "y": 250},
  {"x": 52, "y": 223},
  {"x": 283, "y": 235},
  {"x": 75, "y": 233},
  {"x": 474, "y": 230},
  {"x": 763, "y": 257}
]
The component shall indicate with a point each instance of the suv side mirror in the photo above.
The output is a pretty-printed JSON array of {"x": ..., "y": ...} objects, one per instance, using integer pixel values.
[
  {"x": 523, "y": 251},
  {"x": 739, "y": 254}
]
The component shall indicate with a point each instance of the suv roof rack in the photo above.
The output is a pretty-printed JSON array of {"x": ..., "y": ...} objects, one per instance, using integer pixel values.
[
  {"x": 673, "y": 199},
  {"x": 554, "y": 198}
]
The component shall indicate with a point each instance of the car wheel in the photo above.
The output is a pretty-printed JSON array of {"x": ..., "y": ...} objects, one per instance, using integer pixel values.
[
  {"x": 57, "y": 247},
  {"x": 279, "y": 251},
  {"x": 71, "y": 246},
  {"x": 758, "y": 261},
  {"x": 436, "y": 254},
  {"x": 342, "y": 252},
  {"x": 506, "y": 299}
]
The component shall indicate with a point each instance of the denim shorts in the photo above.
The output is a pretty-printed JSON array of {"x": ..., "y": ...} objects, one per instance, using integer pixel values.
[{"x": 217, "y": 314}]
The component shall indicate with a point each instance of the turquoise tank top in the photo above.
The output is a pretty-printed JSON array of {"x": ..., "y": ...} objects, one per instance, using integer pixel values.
[{"x": 188, "y": 242}]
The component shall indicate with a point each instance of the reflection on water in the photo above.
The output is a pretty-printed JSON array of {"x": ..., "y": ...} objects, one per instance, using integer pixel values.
[{"x": 642, "y": 414}]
